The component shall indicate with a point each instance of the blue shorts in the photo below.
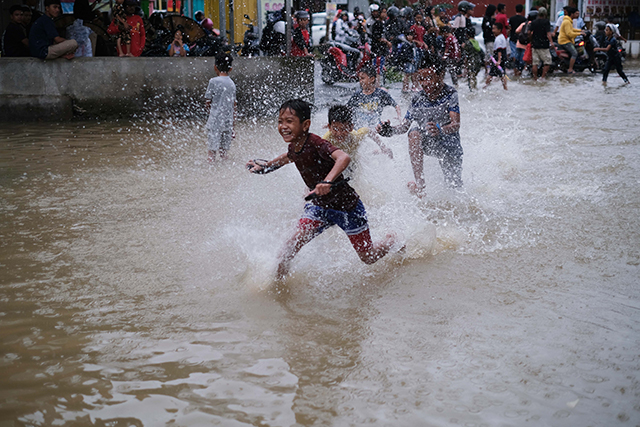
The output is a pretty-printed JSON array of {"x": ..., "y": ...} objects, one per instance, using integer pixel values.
[{"x": 352, "y": 222}]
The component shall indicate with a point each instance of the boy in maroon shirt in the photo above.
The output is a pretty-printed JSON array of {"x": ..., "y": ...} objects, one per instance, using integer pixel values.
[{"x": 331, "y": 200}]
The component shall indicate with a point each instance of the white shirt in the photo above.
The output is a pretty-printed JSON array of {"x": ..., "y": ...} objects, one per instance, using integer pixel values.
[
  {"x": 222, "y": 93},
  {"x": 500, "y": 43}
]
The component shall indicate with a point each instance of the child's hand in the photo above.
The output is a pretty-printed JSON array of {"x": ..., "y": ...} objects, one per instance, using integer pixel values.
[
  {"x": 433, "y": 129},
  {"x": 322, "y": 189},
  {"x": 415, "y": 189},
  {"x": 254, "y": 167}
]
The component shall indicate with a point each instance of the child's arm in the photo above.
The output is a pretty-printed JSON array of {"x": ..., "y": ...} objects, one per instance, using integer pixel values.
[
  {"x": 399, "y": 113},
  {"x": 393, "y": 130},
  {"x": 378, "y": 141},
  {"x": 604, "y": 49},
  {"x": 342, "y": 160},
  {"x": 269, "y": 166}
]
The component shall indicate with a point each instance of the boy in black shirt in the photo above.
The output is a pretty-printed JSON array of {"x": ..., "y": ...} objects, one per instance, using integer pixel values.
[
  {"x": 613, "y": 56},
  {"x": 15, "y": 41}
]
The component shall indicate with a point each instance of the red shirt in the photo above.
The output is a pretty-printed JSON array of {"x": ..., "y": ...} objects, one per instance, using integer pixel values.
[
  {"x": 314, "y": 162},
  {"x": 419, "y": 30},
  {"x": 300, "y": 41},
  {"x": 137, "y": 33},
  {"x": 451, "y": 47},
  {"x": 502, "y": 18}
]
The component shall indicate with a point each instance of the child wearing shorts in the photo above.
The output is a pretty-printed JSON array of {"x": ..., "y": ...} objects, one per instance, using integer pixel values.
[
  {"x": 331, "y": 200},
  {"x": 436, "y": 112},
  {"x": 221, "y": 99}
]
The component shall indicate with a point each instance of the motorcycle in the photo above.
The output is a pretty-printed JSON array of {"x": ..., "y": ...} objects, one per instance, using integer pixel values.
[
  {"x": 342, "y": 62},
  {"x": 251, "y": 40},
  {"x": 586, "y": 56}
]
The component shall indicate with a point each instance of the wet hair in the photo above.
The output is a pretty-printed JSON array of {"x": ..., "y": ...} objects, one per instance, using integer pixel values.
[
  {"x": 432, "y": 61},
  {"x": 501, "y": 7},
  {"x": 519, "y": 8},
  {"x": 498, "y": 25},
  {"x": 491, "y": 9},
  {"x": 13, "y": 9},
  {"x": 340, "y": 114},
  {"x": 301, "y": 108},
  {"x": 445, "y": 30},
  {"x": 369, "y": 71},
  {"x": 224, "y": 61}
]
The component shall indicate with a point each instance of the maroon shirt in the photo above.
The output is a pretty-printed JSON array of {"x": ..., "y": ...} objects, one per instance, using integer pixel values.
[{"x": 314, "y": 162}]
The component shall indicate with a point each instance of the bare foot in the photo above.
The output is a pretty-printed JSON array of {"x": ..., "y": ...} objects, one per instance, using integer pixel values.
[
  {"x": 415, "y": 189},
  {"x": 69, "y": 56},
  {"x": 121, "y": 55}
]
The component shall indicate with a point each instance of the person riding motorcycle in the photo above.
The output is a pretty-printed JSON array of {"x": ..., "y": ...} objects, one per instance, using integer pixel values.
[{"x": 568, "y": 34}]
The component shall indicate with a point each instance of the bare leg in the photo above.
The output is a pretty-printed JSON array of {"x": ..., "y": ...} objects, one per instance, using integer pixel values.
[
  {"x": 416, "y": 154},
  {"x": 119, "y": 46},
  {"x": 212, "y": 156},
  {"x": 545, "y": 70},
  {"x": 571, "y": 63},
  {"x": 534, "y": 72},
  {"x": 369, "y": 252},
  {"x": 223, "y": 154},
  {"x": 307, "y": 230},
  {"x": 504, "y": 81},
  {"x": 128, "y": 49}
]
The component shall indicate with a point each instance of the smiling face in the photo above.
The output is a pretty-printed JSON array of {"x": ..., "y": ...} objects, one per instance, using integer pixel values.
[
  {"x": 496, "y": 32},
  {"x": 367, "y": 82},
  {"x": 290, "y": 127}
]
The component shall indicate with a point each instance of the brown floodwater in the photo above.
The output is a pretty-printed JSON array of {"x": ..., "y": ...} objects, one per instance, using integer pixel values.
[{"x": 134, "y": 274}]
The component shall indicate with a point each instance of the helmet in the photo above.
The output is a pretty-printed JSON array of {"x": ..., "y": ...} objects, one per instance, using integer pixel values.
[
  {"x": 301, "y": 14},
  {"x": 464, "y": 6},
  {"x": 374, "y": 7},
  {"x": 207, "y": 24},
  {"x": 393, "y": 12},
  {"x": 279, "y": 27},
  {"x": 600, "y": 25},
  {"x": 533, "y": 14},
  {"x": 406, "y": 12}
]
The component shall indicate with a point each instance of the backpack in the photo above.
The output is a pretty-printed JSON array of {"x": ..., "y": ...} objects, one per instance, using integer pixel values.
[{"x": 524, "y": 37}]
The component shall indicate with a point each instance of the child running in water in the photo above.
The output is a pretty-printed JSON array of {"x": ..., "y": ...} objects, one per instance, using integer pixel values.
[
  {"x": 332, "y": 200},
  {"x": 342, "y": 135},
  {"x": 369, "y": 102},
  {"x": 437, "y": 114}
]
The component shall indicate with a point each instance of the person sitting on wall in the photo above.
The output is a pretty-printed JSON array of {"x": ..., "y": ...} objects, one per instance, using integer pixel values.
[
  {"x": 15, "y": 41},
  {"x": 44, "y": 41},
  {"x": 134, "y": 25}
]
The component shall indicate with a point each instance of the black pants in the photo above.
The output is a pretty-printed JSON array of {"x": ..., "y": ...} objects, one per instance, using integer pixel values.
[{"x": 614, "y": 62}]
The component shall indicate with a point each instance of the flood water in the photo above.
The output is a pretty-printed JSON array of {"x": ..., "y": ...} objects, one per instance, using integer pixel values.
[{"x": 133, "y": 274}]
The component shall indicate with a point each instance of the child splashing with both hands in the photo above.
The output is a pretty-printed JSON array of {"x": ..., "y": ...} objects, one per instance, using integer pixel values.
[{"x": 331, "y": 200}]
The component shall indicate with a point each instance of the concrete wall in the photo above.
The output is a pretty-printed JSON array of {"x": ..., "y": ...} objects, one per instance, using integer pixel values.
[{"x": 32, "y": 89}]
